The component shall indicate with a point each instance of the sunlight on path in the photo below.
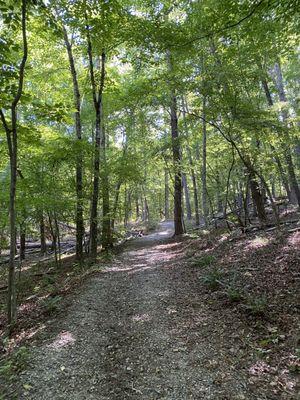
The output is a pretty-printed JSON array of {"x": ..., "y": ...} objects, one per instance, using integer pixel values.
[{"x": 127, "y": 335}]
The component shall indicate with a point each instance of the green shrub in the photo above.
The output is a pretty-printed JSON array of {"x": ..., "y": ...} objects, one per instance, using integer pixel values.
[
  {"x": 49, "y": 279},
  {"x": 51, "y": 304},
  {"x": 204, "y": 261},
  {"x": 257, "y": 305},
  {"x": 234, "y": 294},
  {"x": 16, "y": 363},
  {"x": 213, "y": 279}
]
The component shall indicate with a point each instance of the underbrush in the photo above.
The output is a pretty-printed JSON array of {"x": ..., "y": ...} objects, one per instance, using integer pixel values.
[
  {"x": 215, "y": 280},
  {"x": 40, "y": 292},
  {"x": 15, "y": 363},
  {"x": 11, "y": 366},
  {"x": 251, "y": 280},
  {"x": 204, "y": 261}
]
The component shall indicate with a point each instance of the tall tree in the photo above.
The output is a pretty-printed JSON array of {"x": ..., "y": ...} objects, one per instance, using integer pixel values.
[
  {"x": 287, "y": 149},
  {"x": 97, "y": 93},
  {"x": 79, "y": 160},
  {"x": 204, "y": 158},
  {"x": 12, "y": 143},
  {"x": 178, "y": 225}
]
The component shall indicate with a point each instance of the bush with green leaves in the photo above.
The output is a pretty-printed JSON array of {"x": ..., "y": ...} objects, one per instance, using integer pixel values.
[
  {"x": 16, "y": 363},
  {"x": 213, "y": 279},
  {"x": 204, "y": 261},
  {"x": 51, "y": 304},
  {"x": 257, "y": 305},
  {"x": 234, "y": 294}
]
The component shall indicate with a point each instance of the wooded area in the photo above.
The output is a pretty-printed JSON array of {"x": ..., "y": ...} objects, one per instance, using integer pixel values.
[
  {"x": 118, "y": 114},
  {"x": 141, "y": 120}
]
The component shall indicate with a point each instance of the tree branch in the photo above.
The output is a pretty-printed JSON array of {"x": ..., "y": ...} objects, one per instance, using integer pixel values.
[
  {"x": 24, "y": 58},
  {"x": 7, "y": 131},
  {"x": 225, "y": 28},
  {"x": 102, "y": 77},
  {"x": 91, "y": 64}
]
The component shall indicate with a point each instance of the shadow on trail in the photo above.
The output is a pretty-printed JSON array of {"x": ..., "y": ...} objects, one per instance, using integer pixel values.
[
  {"x": 133, "y": 332},
  {"x": 147, "y": 252}
]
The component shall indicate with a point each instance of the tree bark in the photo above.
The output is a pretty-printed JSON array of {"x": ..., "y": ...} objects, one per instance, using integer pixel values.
[
  {"x": 178, "y": 225},
  {"x": 167, "y": 200},
  {"x": 97, "y": 101},
  {"x": 22, "y": 242},
  {"x": 190, "y": 159},
  {"x": 127, "y": 206},
  {"x": 287, "y": 150},
  {"x": 218, "y": 194},
  {"x": 137, "y": 208},
  {"x": 57, "y": 235},
  {"x": 95, "y": 194},
  {"x": 203, "y": 174},
  {"x": 106, "y": 239},
  {"x": 187, "y": 197},
  {"x": 42, "y": 235},
  {"x": 54, "y": 238},
  {"x": 195, "y": 190},
  {"x": 147, "y": 213},
  {"x": 79, "y": 156},
  {"x": 276, "y": 157},
  {"x": 12, "y": 143},
  {"x": 257, "y": 197},
  {"x": 115, "y": 206}
]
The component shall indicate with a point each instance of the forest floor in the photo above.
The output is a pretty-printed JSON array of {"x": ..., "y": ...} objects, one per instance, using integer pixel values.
[{"x": 210, "y": 317}]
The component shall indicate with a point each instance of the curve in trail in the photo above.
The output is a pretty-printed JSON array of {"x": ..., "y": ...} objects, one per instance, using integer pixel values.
[{"x": 127, "y": 335}]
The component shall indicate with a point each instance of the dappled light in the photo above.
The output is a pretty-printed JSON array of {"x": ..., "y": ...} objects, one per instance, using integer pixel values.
[
  {"x": 64, "y": 339},
  {"x": 257, "y": 243},
  {"x": 149, "y": 199},
  {"x": 293, "y": 241},
  {"x": 260, "y": 368},
  {"x": 141, "y": 318}
]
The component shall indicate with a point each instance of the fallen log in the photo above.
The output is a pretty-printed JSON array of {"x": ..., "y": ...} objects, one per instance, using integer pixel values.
[{"x": 269, "y": 227}]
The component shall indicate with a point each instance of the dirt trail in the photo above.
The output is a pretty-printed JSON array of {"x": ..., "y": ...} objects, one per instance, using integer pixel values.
[{"x": 136, "y": 331}]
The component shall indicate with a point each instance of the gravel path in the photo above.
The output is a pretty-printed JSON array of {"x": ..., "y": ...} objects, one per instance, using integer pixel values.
[{"x": 129, "y": 334}]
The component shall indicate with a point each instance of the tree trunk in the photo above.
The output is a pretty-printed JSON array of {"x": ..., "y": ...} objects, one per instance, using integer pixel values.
[
  {"x": 196, "y": 201},
  {"x": 178, "y": 225},
  {"x": 203, "y": 174},
  {"x": 95, "y": 194},
  {"x": 167, "y": 200},
  {"x": 273, "y": 187},
  {"x": 292, "y": 175},
  {"x": 106, "y": 239},
  {"x": 42, "y": 235},
  {"x": 247, "y": 203},
  {"x": 195, "y": 189},
  {"x": 57, "y": 235},
  {"x": 187, "y": 197},
  {"x": 137, "y": 208},
  {"x": 126, "y": 207},
  {"x": 218, "y": 194},
  {"x": 147, "y": 213},
  {"x": 22, "y": 242},
  {"x": 287, "y": 150},
  {"x": 257, "y": 197},
  {"x": 190, "y": 159},
  {"x": 54, "y": 239},
  {"x": 97, "y": 101},
  {"x": 79, "y": 157},
  {"x": 12, "y": 143},
  {"x": 115, "y": 206},
  {"x": 276, "y": 157}
]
